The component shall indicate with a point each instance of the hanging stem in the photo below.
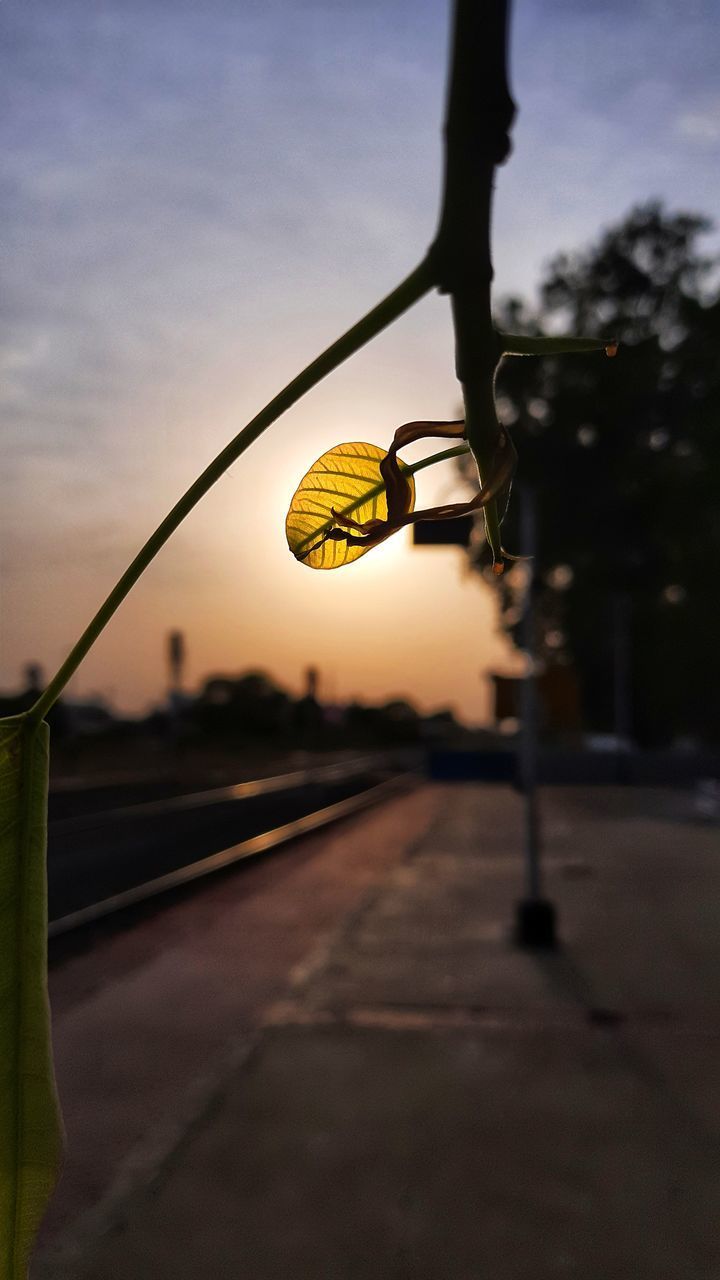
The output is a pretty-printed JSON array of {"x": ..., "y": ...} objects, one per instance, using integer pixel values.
[
  {"x": 419, "y": 282},
  {"x": 480, "y": 112}
]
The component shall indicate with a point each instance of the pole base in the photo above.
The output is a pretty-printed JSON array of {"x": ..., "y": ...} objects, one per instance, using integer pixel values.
[{"x": 535, "y": 924}]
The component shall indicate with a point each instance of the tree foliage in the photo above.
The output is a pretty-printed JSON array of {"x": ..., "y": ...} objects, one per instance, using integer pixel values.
[{"x": 625, "y": 464}]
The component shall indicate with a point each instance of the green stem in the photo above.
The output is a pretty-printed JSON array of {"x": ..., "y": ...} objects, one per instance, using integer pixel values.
[
  {"x": 514, "y": 344},
  {"x": 480, "y": 111},
  {"x": 419, "y": 282},
  {"x": 457, "y": 451},
  {"x": 483, "y": 434}
]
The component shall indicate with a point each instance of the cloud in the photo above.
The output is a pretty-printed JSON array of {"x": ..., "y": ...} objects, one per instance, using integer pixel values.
[{"x": 700, "y": 126}]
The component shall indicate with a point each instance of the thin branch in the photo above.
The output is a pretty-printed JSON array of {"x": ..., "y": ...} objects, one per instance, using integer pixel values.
[{"x": 480, "y": 112}]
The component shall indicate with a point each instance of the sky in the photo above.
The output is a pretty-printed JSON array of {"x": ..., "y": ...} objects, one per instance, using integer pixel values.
[{"x": 194, "y": 201}]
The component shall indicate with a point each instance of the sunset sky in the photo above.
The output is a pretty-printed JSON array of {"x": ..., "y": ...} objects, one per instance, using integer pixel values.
[{"x": 196, "y": 199}]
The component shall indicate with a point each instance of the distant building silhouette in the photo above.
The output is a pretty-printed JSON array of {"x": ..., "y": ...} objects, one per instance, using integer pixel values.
[
  {"x": 34, "y": 678},
  {"x": 176, "y": 661},
  {"x": 558, "y": 698}
]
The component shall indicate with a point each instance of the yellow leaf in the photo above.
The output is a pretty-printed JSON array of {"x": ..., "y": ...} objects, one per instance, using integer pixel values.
[
  {"x": 30, "y": 1126},
  {"x": 347, "y": 478}
]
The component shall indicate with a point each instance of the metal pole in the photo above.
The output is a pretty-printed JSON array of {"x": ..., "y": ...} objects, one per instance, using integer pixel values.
[
  {"x": 622, "y": 701},
  {"x": 534, "y": 915},
  {"x": 528, "y": 702}
]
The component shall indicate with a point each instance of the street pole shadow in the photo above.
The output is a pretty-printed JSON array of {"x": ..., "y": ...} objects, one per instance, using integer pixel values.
[{"x": 679, "y": 1119}]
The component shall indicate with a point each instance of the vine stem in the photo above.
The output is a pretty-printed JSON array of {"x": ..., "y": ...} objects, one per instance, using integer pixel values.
[
  {"x": 480, "y": 111},
  {"x": 457, "y": 451},
  {"x": 408, "y": 292}
]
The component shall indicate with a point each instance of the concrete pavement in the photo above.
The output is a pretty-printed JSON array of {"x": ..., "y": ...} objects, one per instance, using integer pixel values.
[{"x": 426, "y": 1101}]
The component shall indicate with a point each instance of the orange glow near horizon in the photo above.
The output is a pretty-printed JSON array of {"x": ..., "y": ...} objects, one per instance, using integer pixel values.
[{"x": 401, "y": 622}]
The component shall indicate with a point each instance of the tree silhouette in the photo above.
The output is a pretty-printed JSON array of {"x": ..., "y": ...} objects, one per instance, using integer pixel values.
[{"x": 625, "y": 465}]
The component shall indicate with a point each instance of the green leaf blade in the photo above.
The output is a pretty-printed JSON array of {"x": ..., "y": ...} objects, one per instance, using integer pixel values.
[{"x": 30, "y": 1125}]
